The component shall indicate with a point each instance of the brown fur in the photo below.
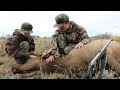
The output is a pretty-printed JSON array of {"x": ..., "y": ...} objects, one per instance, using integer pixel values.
[{"x": 80, "y": 57}]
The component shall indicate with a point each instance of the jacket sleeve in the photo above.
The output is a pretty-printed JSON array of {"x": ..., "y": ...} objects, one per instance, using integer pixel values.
[
  {"x": 55, "y": 51},
  {"x": 31, "y": 44},
  {"x": 15, "y": 49},
  {"x": 83, "y": 35}
]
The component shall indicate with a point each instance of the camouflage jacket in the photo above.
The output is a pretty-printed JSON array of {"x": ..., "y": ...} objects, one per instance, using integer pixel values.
[
  {"x": 12, "y": 45},
  {"x": 73, "y": 35}
]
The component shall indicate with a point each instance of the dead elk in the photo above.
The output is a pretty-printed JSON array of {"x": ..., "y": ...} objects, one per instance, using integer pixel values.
[{"x": 80, "y": 57}]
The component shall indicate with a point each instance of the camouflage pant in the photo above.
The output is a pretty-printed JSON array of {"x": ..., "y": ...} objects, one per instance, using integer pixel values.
[
  {"x": 68, "y": 49},
  {"x": 24, "y": 47},
  {"x": 63, "y": 47}
]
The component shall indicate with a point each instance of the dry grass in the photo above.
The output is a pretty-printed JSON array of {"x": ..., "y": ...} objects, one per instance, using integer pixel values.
[
  {"x": 42, "y": 44},
  {"x": 6, "y": 63}
]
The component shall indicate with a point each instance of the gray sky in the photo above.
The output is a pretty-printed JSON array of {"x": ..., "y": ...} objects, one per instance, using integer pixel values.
[{"x": 95, "y": 22}]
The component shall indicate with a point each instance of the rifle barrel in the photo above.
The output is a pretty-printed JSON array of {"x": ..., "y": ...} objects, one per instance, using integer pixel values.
[{"x": 100, "y": 54}]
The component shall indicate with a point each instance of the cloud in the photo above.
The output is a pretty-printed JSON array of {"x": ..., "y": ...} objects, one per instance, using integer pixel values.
[{"x": 94, "y": 22}]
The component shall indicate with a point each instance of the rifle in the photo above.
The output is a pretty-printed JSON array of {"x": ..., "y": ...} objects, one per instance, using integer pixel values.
[{"x": 100, "y": 56}]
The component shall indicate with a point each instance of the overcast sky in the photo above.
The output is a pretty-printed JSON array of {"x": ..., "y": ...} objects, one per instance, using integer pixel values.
[{"x": 95, "y": 22}]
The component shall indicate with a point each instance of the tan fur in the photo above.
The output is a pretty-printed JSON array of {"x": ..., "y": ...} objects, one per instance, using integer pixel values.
[{"x": 81, "y": 57}]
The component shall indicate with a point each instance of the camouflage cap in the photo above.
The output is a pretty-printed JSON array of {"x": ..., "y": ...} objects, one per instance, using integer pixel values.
[
  {"x": 61, "y": 19},
  {"x": 27, "y": 27}
]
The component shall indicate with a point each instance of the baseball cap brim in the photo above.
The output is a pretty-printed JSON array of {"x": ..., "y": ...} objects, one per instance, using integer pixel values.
[
  {"x": 30, "y": 31},
  {"x": 58, "y": 25}
]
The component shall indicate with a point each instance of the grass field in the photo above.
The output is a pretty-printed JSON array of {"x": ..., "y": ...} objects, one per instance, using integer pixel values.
[{"x": 6, "y": 62}]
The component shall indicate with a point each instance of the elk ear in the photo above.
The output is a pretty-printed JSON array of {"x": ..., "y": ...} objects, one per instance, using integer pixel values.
[{"x": 47, "y": 52}]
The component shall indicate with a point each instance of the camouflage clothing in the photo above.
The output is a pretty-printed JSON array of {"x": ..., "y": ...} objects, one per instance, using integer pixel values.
[
  {"x": 64, "y": 42},
  {"x": 20, "y": 46},
  {"x": 24, "y": 46}
]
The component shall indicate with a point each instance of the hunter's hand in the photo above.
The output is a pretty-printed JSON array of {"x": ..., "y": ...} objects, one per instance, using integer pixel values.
[
  {"x": 50, "y": 59},
  {"x": 79, "y": 45},
  {"x": 32, "y": 56}
]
